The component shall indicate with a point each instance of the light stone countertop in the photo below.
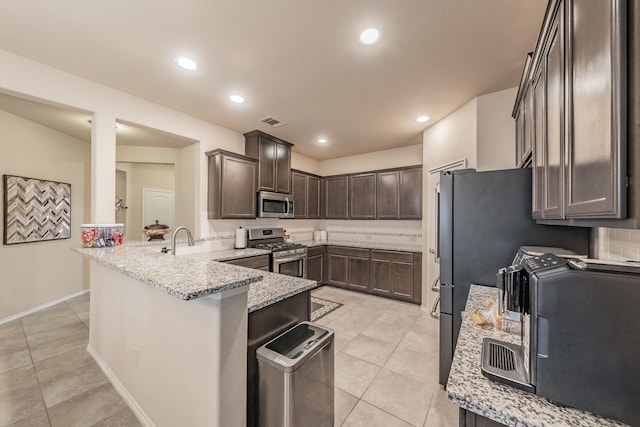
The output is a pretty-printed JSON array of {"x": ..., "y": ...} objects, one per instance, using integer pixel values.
[
  {"x": 402, "y": 247},
  {"x": 275, "y": 287},
  {"x": 469, "y": 389},
  {"x": 196, "y": 275}
]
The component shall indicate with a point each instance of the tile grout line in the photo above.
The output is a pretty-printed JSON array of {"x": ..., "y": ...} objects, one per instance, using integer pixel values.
[{"x": 33, "y": 365}]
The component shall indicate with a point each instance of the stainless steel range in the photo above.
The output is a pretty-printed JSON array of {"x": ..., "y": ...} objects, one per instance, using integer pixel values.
[{"x": 286, "y": 257}]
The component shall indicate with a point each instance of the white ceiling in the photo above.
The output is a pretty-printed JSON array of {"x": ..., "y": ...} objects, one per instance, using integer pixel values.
[{"x": 296, "y": 60}]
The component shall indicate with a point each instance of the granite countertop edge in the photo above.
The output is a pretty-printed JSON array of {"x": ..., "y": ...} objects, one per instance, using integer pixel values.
[
  {"x": 401, "y": 247},
  {"x": 152, "y": 276},
  {"x": 469, "y": 389}
]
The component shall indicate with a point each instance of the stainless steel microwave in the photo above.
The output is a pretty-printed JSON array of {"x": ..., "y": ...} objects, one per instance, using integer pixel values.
[{"x": 274, "y": 205}]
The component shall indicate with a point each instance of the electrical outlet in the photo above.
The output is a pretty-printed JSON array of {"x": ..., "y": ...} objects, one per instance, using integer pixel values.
[{"x": 136, "y": 356}]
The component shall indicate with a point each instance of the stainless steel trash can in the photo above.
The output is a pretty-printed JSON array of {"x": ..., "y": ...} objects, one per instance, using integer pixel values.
[{"x": 296, "y": 378}]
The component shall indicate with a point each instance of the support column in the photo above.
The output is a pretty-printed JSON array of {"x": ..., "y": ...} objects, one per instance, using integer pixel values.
[{"x": 103, "y": 168}]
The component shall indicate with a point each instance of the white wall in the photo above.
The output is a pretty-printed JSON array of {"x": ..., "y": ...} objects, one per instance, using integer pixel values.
[
  {"x": 395, "y": 157},
  {"x": 36, "y": 273},
  {"x": 482, "y": 132},
  {"x": 139, "y": 176},
  {"x": 496, "y": 147}
]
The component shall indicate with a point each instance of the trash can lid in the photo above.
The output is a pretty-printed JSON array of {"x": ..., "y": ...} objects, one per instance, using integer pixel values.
[{"x": 289, "y": 350}]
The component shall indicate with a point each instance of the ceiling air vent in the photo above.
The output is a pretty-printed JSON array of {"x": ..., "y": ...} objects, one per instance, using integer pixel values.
[{"x": 272, "y": 121}]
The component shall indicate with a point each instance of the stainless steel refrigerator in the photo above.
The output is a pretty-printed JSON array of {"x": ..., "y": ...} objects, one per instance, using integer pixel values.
[{"x": 484, "y": 217}]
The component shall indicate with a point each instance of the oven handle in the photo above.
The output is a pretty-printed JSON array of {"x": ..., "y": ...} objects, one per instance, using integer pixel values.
[
  {"x": 286, "y": 205},
  {"x": 293, "y": 258}
]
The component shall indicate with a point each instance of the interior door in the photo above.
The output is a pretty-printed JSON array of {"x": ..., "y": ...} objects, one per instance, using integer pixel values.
[
  {"x": 158, "y": 205},
  {"x": 432, "y": 261}
]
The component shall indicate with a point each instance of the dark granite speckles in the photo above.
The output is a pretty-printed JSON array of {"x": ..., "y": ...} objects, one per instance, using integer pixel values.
[
  {"x": 185, "y": 277},
  {"x": 276, "y": 287},
  {"x": 469, "y": 389},
  {"x": 237, "y": 254}
]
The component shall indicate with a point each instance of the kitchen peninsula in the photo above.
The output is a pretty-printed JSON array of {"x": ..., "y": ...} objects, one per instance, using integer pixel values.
[
  {"x": 487, "y": 403},
  {"x": 170, "y": 332}
]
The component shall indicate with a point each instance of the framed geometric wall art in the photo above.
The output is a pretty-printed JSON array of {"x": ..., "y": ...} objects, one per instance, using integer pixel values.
[{"x": 35, "y": 210}]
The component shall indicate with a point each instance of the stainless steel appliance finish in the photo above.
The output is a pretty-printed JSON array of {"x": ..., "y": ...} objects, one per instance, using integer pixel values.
[
  {"x": 484, "y": 218},
  {"x": 275, "y": 205},
  {"x": 296, "y": 371},
  {"x": 580, "y": 342},
  {"x": 286, "y": 257}
]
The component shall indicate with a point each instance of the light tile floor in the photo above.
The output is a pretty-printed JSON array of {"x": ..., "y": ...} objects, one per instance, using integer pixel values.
[
  {"x": 386, "y": 363},
  {"x": 47, "y": 378},
  {"x": 385, "y": 368}
]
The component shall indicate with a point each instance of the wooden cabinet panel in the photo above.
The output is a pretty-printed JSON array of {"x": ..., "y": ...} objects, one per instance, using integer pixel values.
[
  {"x": 358, "y": 273},
  {"x": 393, "y": 274},
  {"x": 232, "y": 180},
  {"x": 362, "y": 196},
  {"x": 596, "y": 164},
  {"x": 283, "y": 168},
  {"x": 519, "y": 117},
  {"x": 306, "y": 194},
  {"x": 579, "y": 91},
  {"x": 336, "y": 197},
  {"x": 274, "y": 160},
  {"x": 411, "y": 193},
  {"x": 337, "y": 269},
  {"x": 538, "y": 143},
  {"x": 313, "y": 197},
  {"x": 381, "y": 276},
  {"x": 315, "y": 264},
  {"x": 553, "y": 67},
  {"x": 299, "y": 187},
  {"x": 388, "y": 191}
]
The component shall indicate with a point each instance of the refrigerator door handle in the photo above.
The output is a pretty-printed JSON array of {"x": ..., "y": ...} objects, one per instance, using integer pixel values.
[
  {"x": 435, "y": 287},
  {"x": 435, "y": 311}
]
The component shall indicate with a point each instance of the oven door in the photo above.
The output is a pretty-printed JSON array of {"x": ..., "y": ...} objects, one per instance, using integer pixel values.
[{"x": 295, "y": 266}]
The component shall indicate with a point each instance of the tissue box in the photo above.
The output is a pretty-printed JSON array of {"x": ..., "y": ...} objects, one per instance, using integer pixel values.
[{"x": 102, "y": 235}]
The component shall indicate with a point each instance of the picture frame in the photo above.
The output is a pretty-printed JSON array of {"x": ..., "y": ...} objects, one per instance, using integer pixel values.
[{"x": 35, "y": 210}]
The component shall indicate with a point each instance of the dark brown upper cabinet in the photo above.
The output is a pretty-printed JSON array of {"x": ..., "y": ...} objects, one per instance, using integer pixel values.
[
  {"x": 596, "y": 157},
  {"x": 306, "y": 194},
  {"x": 582, "y": 86},
  {"x": 411, "y": 193},
  {"x": 523, "y": 115},
  {"x": 335, "y": 197},
  {"x": 274, "y": 161},
  {"x": 232, "y": 181},
  {"x": 362, "y": 196},
  {"x": 399, "y": 194}
]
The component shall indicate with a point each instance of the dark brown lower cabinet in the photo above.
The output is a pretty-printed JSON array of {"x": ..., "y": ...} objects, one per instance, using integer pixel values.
[
  {"x": 264, "y": 325},
  {"x": 315, "y": 263},
  {"x": 392, "y": 274},
  {"x": 348, "y": 267},
  {"x": 260, "y": 262},
  {"x": 471, "y": 419}
]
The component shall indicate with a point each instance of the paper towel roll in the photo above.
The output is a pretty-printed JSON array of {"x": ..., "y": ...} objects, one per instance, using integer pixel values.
[
  {"x": 316, "y": 236},
  {"x": 323, "y": 235},
  {"x": 241, "y": 238}
]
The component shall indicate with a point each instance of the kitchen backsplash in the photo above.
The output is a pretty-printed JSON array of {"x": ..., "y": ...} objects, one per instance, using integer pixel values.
[{"x": 617, "y": 244}]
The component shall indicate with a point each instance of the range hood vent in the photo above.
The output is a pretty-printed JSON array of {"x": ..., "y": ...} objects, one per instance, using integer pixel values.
[{"x": 272, "y": 121}]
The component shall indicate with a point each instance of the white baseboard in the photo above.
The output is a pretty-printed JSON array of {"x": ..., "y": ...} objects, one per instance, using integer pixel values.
[
  {"x": 41, "y": 307},
  {"x": 122, "y": 391}
]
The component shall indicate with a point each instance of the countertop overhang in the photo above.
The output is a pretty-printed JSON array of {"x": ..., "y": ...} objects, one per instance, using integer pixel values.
[{"x": 197, "y": 275}]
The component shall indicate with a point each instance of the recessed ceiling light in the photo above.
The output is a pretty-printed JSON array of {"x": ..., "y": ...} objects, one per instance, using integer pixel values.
[
  {"x": 422, "y": 119},
  {"x": 369, "y": 36},
  {"x": 186, "y": 63},
  {"x": 237, "y": 99},
  {"x": 322, "y": 140}
]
